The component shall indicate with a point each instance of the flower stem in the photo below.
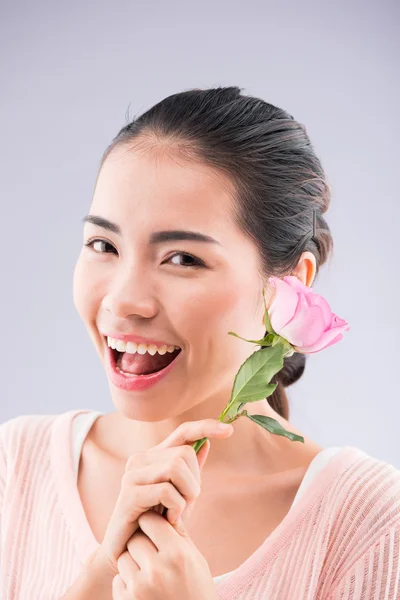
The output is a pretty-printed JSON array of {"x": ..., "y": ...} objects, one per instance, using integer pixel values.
[{"x": 199, "y": 443}]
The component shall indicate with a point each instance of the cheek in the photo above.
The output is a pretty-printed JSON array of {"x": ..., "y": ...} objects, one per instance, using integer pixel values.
[
  {"x": 84, "y": 289},
  {"x": 207, "y": 315},
  {"x": 206, "y": 311}
]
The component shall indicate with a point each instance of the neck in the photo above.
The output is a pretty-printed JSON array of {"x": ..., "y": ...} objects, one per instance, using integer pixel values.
[{"x": 248, "y": 450}]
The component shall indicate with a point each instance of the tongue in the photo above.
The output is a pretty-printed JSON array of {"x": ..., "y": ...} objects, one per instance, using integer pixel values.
[{"x": 143, "y": 364}]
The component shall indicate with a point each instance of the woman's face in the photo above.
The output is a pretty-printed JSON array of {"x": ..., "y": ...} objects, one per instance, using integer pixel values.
[{"x": 154, "y": 290}]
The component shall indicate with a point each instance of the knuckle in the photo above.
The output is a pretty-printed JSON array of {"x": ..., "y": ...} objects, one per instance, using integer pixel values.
[
  {"x": 177, "y": 465},
  {"x": 185, "y": 426},
  {"x": 130, "y": 496},
  {"x": 184, "y": 430},
  {"x": 176, "y": 558},
  {"x": 165, "y": 489},
  {"x": 155, "y": 578},
  {"x": 168, "y": 490},
  {"x": 171, "y": 494},
  {"x": 128, "y": 480},
  {"x": 133, "y": 461}
]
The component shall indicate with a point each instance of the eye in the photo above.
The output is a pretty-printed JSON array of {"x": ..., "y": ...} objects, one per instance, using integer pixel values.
[
  {"x": 197, "y": 262},
  {"x": 91, "y": 243}
]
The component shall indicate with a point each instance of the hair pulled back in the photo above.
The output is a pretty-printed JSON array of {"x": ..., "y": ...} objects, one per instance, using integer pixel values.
[{"x": 278, "y": 179}]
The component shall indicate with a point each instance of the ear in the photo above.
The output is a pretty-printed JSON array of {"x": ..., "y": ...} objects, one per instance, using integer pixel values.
[{"x": 306, "y": 269}]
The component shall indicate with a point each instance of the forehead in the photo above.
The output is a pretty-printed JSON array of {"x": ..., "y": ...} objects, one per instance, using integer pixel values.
[{"x": 162, "y": 188}]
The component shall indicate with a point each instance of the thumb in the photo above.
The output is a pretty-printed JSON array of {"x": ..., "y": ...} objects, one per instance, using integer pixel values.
[{"x": 203, "y": 453}]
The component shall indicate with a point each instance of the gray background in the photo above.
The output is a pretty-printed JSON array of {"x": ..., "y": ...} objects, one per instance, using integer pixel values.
[{"x": 70, "y": 72}]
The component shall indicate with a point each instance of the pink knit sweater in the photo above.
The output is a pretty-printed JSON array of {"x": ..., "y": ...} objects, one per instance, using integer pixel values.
[{"x": 340, "y": 541}]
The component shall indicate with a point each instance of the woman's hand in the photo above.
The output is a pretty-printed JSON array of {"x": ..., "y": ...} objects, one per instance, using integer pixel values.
[
  {"x": 162, "y": 563},
  {"x": 167, "y": 475}
]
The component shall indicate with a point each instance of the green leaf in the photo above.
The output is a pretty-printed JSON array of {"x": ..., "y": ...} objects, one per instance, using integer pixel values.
[
  {"x": 252, "y": 381},
  {"x": 273, "y": 426},
  {"x": 269, "y": 390}
]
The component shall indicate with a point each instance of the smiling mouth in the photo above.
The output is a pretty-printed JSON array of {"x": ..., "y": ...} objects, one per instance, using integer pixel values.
[{"x": 143, "y": 364}]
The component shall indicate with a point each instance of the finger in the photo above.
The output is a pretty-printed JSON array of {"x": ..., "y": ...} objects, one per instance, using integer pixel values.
[
  {"x": 127, "y": 568},
  {"x": 158, "y": 530},
  {"x": 161, "y": 453},
  {"x": 176, "y": 472},
  {"x": 187, "y": 451},
  {"x": 160, "y": 462},
  {"x": 142, "y": 550},
  {"x": 145, "y": 497},
  {"x": 191, "y": 431},
  {"x": 119, "y": 591}
]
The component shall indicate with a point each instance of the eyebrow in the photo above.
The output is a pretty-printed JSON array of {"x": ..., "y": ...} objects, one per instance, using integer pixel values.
[{"x": 156, "y": 238}]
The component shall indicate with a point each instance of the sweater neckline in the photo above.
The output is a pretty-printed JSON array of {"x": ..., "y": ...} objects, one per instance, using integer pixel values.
[{"x": 86, "y": 543}]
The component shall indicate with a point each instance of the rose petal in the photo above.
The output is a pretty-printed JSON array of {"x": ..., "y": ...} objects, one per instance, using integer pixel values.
[
  {"x": 296, "y": 284},
  {"x": 318, "y": 300},
  {"x": 338, "y": 322},
  {"x": 330, "y": 337},
  {"x": 307, "y": 325},
  {"x": 303, "y": 317},
  {"x": 283, "y": 305}
]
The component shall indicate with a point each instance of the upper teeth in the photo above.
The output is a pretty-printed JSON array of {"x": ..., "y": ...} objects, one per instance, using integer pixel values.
[{"x": 132, "y": 347}]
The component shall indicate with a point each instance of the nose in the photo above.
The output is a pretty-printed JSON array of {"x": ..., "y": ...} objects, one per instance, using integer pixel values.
[{"x": 130, "y": 293}]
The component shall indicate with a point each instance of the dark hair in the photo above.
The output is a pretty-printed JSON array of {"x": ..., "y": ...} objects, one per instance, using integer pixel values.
[{"x": 277, "y": 178}]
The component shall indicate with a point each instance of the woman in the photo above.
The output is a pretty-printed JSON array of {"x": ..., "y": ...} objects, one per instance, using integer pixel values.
[{"x": 197, "y": 202}]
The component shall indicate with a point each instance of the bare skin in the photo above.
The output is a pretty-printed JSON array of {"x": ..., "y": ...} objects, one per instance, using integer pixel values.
[
  {"x": 140, "y": 289},
  {"x": 268, "y": 489}
]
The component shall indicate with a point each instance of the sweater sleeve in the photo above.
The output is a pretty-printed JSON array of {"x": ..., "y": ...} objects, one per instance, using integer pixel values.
[
  {"x": 376, "y": 575},
  {"x": 369, "y": 557}
]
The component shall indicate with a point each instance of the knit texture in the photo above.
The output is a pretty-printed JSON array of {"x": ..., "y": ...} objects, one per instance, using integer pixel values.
[{"x": 340, "y": 541}]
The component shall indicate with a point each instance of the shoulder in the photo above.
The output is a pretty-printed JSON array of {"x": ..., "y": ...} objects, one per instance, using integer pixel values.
[
  {"x": 365, "y": 507},
  {"x": 368, "y": 488},
  {"x": 20, "y": 435}
]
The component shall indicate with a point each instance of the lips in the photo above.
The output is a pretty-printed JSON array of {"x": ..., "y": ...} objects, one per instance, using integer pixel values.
[{"x": 137, "y": 383}]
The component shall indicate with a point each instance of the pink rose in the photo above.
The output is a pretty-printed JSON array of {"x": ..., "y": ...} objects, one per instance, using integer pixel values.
[{"x": 302, "y": 317}]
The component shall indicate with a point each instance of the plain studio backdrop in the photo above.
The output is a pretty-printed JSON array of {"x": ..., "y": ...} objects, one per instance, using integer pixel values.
[{"x": 71, "y": 71}]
